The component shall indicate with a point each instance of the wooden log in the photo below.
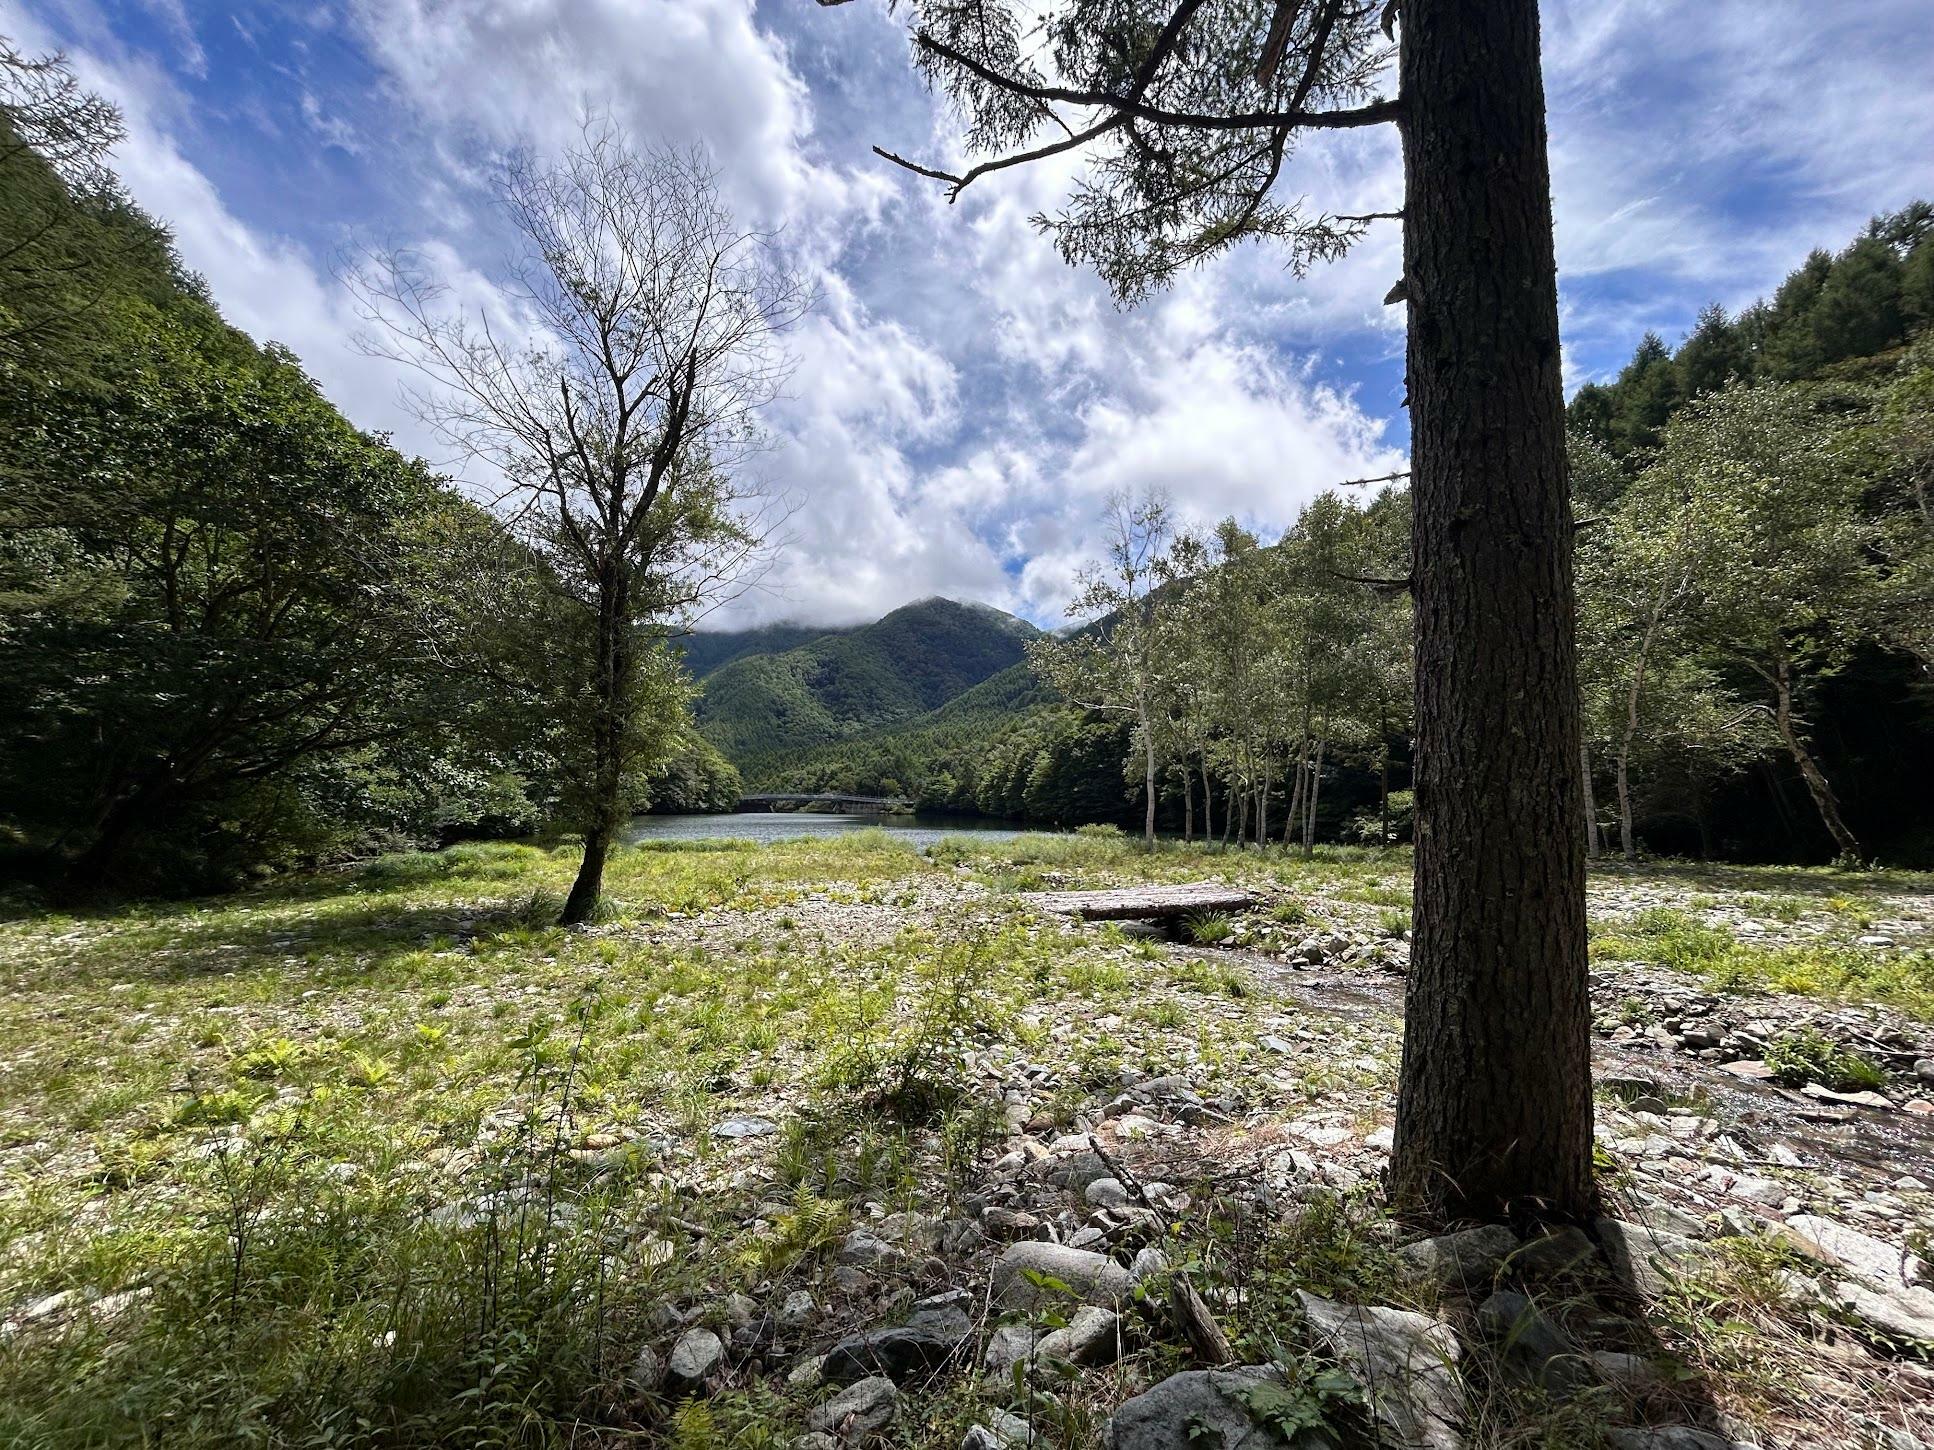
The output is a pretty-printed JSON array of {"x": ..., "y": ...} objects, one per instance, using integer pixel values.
[{"x": 1144, "y": 903}]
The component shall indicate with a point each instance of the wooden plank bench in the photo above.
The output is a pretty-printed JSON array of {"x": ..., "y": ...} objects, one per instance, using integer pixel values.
[{"x": 1144, "y": 903}]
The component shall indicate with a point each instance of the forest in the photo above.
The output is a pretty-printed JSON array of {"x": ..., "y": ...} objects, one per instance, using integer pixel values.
[
  {"x": 1447, "y": 964},
  {"x": 1755, "y": 592}
]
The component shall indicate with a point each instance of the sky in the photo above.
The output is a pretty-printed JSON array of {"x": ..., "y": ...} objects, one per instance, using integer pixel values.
[{"x": 963, "y": 402}]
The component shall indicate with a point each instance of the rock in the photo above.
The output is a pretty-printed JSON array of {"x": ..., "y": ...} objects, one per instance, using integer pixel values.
[
  {"x": 798, "y": 1309},
  {"x": 1895, "y": 1311},
  {"x": 863, "y": 1250},
  {"x": 1562, "y": 1251},
  {"x": 997, "y": 1431},
  {"x": 808, "y": 1374},
  {"x": 1147, "y": 1263},
  {"x": 695, "y": 1356},
  {"x": 1468, "y": 1259},
  {"x": 932, "y": 1335},
  {"x": 745, "y": 1128},
  {"x": 1667, "y": 1437},
  {"x": 1092, "y": 1337},
  {"x": 1840, "y": 1247},
  {"x": 1090, "y": 1278},
  {"x": 1008, "y": 1344},
  {"x": 740, "y": 1310},
  {"x": 1533, "y": 1349},
  {"x": 1749, "y": 1068},
  {"x": 1202, "y": 1407},
  {"x": 1406, "y": 1363},
  {"x": 1644, "y": 1257},
  {"x": 1634, "y": 1374},
  {"x": 648, "y": 1371},
  {"x": 815, "y": 1440},
  {"x": 861, "y": 1409},
  {"x": 1106, "y": 1193},
  {"x": 1074, "y": 1172}
]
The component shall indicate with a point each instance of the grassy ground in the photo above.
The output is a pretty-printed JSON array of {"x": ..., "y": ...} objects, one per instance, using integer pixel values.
[{"x": 381, "y": 1157}]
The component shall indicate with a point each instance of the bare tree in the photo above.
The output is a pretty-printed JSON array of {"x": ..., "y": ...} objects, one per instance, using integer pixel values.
[{"x": 614, "y": 384}]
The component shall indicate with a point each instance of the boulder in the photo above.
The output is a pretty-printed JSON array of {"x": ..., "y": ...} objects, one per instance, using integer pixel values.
[
  {"x": 1469, "y": 1259},
  {"x": 1092, "y": 1337},
  {"x": 1645, "y": 1257},
  {"x": 1008, "y": 1344},
  {"x": 1546, "y": 1256},
  {"x": 1667, "y": 1437},
  {"x": 697, "y": 1353},
  {"x": 1894, "y": 1312},
  {"x": 1859, "y": 1254},
  {"x": 1206, "y": 1407},
  {"x": 1406, "y": 1363},
  {"x": 1090, "y": 1278},
  {"x": 1531, "y": 1349},
  {"x": 932, "y": 1335},
  {"x": 859, "y": 1410},
  {"x": 998, "y": 1430}
]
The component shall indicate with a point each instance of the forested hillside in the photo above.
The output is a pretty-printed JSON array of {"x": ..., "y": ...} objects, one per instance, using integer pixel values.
[
  {"x": 845, "y": 684},
  {"x": 236, "y": 632},
  {"x": 1805, "y": 430}
]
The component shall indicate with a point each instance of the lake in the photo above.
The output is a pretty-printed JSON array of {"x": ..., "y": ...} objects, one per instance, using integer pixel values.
[{"x": 765, "y": 826}]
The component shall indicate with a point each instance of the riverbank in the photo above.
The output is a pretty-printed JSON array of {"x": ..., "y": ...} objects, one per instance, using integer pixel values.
[{"x": 383, "y": 1156}]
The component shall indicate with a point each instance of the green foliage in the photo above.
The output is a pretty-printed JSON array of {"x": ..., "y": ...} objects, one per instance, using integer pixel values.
[
  {"x": 1809, "y": 1055},
  {"x": 846, "y": 684}
]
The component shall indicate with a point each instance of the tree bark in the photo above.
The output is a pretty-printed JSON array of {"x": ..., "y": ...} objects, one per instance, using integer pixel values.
[
  {"x": 1824, "y": 800},
  {"x": 1494, "y": 1114},
  {"x": 1591, "y": 801},
  {"x": 609, "y": 726},
  {"x": 1628, "y": 848},
  {"x": 1148, "y": 780},
  {"x": 1208, "y": 804},
  {"x": 1188, "y": 802}
]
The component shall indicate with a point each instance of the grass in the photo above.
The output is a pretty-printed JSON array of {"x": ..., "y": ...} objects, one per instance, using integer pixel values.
[
  {"x": 1828, "y": 968},
  {"x": 387, "y": 1159},
  {"x": 381, "y": 1157}
]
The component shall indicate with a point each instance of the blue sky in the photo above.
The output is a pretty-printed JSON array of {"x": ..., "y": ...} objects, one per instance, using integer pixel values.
[{"x": 964, "y": 401}]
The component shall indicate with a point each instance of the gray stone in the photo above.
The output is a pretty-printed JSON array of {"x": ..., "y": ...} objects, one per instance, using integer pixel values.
[
  {"x": 861, "y": 1409},
  {"x": 1897, "y": 1313},
  {"x": 1147, "y": 1263},
  {"x": 1530, "y": 1347},
  {"x": 1074, "y": 1172},
  {"x": 1633, "y": 1374},
  {"x": 1092, "y": 1337},
  {"x": 1645, "y": 1257},
  {"x": 1202, "y": 1407},
  {"x": 932, "y": 1335},
  {"x": 696, "y": 1355},
  {"x": 864, "y": 1250},
  {"x": 998, "y": 1430},
  {"x": 797, "y": 1310},
  {"x": 1106, "y": 1193},
  {"x": 745, "y": 1128},
  {"x": 648, "y": 1371},
  {"x": 1840, "y": 1247},
  {"x": 1469, "y": 1259},
  {"x": 1666, "y": 1437},
  {"x": 1406, "y": 1363},
  {"x": 1008, "y": 1344},
  {"x": 1562, "y": 1251},
  {"x": 1090, "y": 1278}
]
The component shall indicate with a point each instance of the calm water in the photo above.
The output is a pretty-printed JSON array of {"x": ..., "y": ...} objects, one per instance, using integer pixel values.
[{"x": 764, "y": 826}]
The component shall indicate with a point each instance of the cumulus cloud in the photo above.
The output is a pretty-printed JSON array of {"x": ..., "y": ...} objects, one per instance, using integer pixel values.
[{"x": 963, "y": 401}]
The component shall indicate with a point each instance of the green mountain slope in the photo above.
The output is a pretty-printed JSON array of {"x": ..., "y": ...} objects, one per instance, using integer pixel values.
[{"x": 762, "y": 709}]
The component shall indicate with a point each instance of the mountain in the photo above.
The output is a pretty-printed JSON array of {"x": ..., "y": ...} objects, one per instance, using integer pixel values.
[{"x": 762, "y": 705}]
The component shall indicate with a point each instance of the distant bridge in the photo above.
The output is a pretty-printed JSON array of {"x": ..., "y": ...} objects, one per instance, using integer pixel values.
[{"x": 829, "y": 801}]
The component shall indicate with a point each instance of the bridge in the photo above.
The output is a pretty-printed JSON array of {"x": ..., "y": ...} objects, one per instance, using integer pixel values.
[{"x": 831, "y": 802}]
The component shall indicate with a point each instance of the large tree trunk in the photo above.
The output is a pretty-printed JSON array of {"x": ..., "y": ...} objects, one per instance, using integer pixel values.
[
  {"x": 1824, "y": 800},
  {"x": 1494, "y": 1115},
  {"x": 1208, "y": 804}
]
